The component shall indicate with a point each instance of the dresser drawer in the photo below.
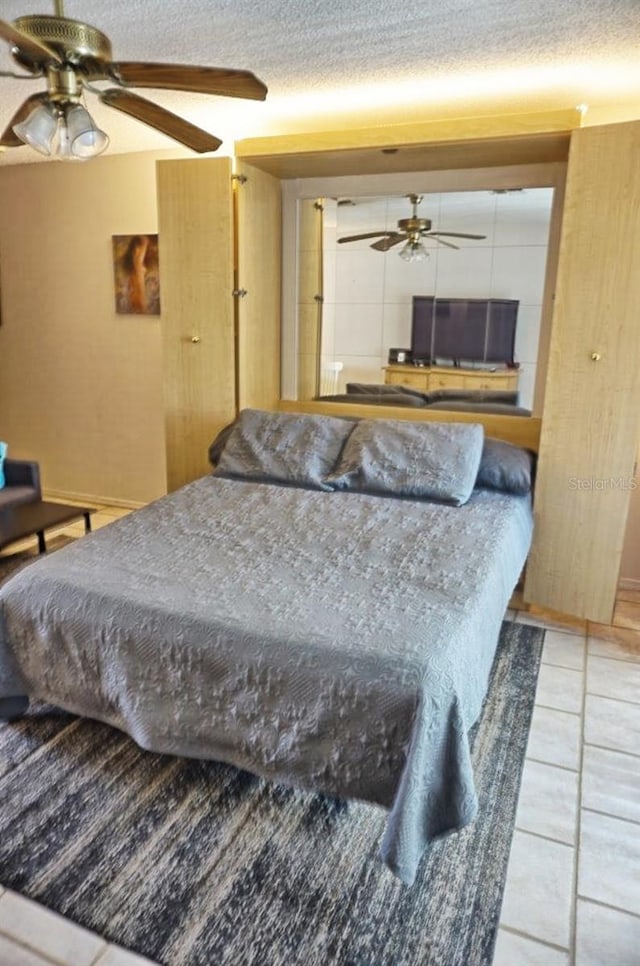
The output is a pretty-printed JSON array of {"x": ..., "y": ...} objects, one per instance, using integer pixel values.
[
  {"x": 414, "y": 380},
  {"x": 491, "y": 382},
  {"x": 445, "y": 380}
]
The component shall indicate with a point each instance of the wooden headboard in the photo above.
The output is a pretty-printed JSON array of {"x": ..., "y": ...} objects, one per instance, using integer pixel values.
[{"x": 520, "y": 430}]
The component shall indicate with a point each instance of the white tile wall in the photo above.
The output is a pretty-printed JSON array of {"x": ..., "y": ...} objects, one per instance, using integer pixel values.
[
  {"x": 473, "y": 212},
  {"x": 396, "y": 326},
  {"x": 509, "y": 263},
  {"x": 360, "y": 369},
  {"x": 403, "y": 279},
  {"x": 527, "y": 384},
  {"x": 522, "y": 218},
  {"x": 528, "y": 333},
  {"x": 358, "y": 329},
  {"x": 359, "y": 276},
  {"x": 518, "y": 272},
  {"x": 466, "y": 277}
]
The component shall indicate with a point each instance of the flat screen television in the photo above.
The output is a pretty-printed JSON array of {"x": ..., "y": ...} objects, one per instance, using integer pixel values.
[{"x": 459, "y": 331}]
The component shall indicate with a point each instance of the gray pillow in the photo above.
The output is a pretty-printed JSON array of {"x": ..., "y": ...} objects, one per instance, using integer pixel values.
[
  {"x": 505, "y": 467},
  {"x": 219, "y": 443},
  {"x": 438, "y": 461},
  {"x": 283, "y": 448},
  {"x": 382, "y": 389},
  {"x": 507, "y": 396},
  {"x": 494, "y": 409},
  {"x": 371, "y": 399}
]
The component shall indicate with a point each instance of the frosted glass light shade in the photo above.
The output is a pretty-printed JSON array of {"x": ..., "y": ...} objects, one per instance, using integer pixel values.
[
  {"x": 38, "y": 129},
  {"x": 413, "y": 251},
  {"x": 85, "y": 139}
]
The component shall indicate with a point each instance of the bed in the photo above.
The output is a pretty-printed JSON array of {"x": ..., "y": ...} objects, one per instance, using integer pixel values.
[
  {"x": 487, "y": 401},
  {"x": 314, "y": 630}
]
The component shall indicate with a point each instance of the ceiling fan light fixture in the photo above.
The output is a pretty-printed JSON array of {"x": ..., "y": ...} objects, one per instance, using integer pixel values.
[
  {"x": 72, "y": 55},
  {"x": 86, "y": 140},
  {"x": 38, "y": 130},
  {"x": 63, "y": 143},
  {"x": 413, "y": 251}
]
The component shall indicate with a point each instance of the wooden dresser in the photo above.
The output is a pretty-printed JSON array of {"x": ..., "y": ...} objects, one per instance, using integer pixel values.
[{"x": 440, "y": 377}]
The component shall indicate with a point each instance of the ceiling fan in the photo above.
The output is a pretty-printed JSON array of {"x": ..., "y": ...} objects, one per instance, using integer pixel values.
[
  {"x": 72, "y": 55},
  {"x": 411, "y": 231}
]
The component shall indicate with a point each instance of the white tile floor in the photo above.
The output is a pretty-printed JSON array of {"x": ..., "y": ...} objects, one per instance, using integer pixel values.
[{"x": 573, "y": 887}]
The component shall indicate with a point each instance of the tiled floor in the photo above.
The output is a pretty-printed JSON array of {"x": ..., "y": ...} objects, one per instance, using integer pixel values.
[{"x": 573, "y": 886}]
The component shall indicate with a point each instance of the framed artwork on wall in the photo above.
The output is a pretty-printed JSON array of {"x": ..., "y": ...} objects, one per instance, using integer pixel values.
[{"x": 136, "y": 274}]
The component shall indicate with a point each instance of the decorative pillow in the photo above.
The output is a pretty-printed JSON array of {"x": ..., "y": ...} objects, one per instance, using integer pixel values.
[
  {"x": 505, "y": 467},
  {"x": 371, "y": 399},
  {"x": 382, "y": 389},
  {"x": 438, "y": 461},
  {"x": 283, "y": 448},
  {"x": 219, "y": 443},
  {"x": 506, "y": 396},
  {"x": 3, "y": 453},
  {"x": 495, "y": 409}
]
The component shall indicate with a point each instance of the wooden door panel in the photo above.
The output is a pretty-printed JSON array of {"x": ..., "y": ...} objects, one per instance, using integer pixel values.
[
  {"x": 195, "y": 226},
  {"x": 259, "y": 253},
  {"x": 592, "y": 405}
]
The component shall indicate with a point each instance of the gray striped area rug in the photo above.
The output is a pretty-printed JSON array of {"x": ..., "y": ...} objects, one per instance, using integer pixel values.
[{"x": 192, "y": 862}]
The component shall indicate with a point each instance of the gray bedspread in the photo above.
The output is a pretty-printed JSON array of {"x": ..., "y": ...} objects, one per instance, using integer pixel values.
[{"x": 334, "y": 641}]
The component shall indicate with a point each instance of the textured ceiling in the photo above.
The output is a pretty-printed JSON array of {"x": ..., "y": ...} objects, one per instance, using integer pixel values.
[{"x": 326, "y": 57}]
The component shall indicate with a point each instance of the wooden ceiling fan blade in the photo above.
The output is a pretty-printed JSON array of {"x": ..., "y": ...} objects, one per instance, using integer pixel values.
[
  {"x": 34, "y": 49},
  {"x": 368, "y": 234},
  {"x": 162, "y": 120},
  {"x": 386, "y": 243},
  {"x": 186, "y": 77},
  {"x": 11, "y": 140},
  {"x": 448, "y": 244},
  {"x": 455, "y": 234}
]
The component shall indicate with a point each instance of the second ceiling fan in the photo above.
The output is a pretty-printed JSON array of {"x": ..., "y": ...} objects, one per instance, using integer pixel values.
[{"x": 411, "y": 231}]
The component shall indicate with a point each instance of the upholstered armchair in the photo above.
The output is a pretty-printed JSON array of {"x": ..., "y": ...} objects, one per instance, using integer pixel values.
[{"x": 22, "y": 483}]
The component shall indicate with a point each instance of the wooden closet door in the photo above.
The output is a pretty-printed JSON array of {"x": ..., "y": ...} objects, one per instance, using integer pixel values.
[
  {"x": 310, "y": 292},
  {"x": 591, "y": 414},
  {"x": 259, "y": 269},
  {"x": 195, "y": 233}
]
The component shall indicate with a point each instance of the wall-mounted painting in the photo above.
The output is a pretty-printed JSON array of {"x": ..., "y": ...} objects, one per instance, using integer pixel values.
[{"x": 136, "y": 274}]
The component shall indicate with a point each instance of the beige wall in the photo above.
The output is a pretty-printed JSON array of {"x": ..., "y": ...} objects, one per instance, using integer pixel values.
[{"x": 80, "y": 387}]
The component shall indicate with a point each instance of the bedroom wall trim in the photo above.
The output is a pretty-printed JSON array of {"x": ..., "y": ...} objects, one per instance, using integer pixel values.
[
  {"x": 70, "y": 496},
  {"x": 425, "y": 145},
  {"x": 519, "y": 430}
]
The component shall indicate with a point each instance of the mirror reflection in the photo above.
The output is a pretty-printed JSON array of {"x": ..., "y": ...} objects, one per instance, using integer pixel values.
[{"x": 488, "y": 291}]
